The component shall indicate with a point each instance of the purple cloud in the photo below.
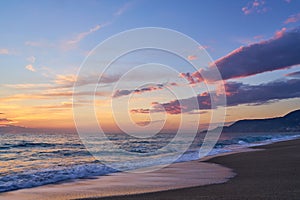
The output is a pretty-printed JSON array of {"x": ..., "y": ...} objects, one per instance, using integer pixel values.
[
  {"x": 280, "y": 52},
  {"x": 294, "y": 74},
  {"x": 119, "y": 93},
  {"x": 236, "y": 93},
  {"x": 292, "y": 19},
  {"x": 5, "y": 120},
  {"x": 256, "y": 6}
]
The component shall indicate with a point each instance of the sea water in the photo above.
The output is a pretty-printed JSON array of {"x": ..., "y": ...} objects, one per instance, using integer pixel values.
[{"x": 30, "y": 160}]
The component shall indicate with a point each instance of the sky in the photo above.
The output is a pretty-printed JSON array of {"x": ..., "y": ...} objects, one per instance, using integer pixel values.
[{"x": 254, "y": 45}]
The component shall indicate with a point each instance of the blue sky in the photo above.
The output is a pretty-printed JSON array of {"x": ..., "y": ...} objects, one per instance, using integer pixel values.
[{"x": 45, "y": 42}]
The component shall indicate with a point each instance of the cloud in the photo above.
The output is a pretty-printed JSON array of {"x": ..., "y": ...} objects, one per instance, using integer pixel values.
[
  {"x": 120, "y": 93},
  {"x": 280, "y": 52},
  {"x": 71, "y": 43},
  {"x": 30, "y": 68},
  {"x": 31, "y": 59},
  {"x": 140, "y": 110},
  {"x": 256, "y": 6},
  {"x": 147, "y": 122},
  {"x": 32, "y": 43},
  {"x": 192, "y": 57},
  {"x": 123, "y": 9},
  {"x": 292, "y": 18},
  {"x": 61, "y": 87},
  {"x": 71, "y": 93},
  {"x": 248, "y": 41},
  {"x": 236, "y": 93},
  {"x": 52, "y": 95},
  {"x": 280, "y": 33},
  {"x": 63, "y": 105},
  {"x": 43, "y": 43},
  {"x": 6, "y": 121},
  {"x": 68, "y": 80},
  {"x": 198, "y": 112},
  {"x": 4, "y": 51},
  {"x": 82, "y": 35},
  {"x": 294, "y": 74},
  {"x": 36, "y": 86}
]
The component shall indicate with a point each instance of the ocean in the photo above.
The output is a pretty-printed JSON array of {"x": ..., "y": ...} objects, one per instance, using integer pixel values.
[{"x": 30, "y": 160}]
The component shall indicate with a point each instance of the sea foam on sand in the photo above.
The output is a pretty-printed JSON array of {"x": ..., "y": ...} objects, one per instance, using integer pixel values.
[{"x": 174, "y": 176}]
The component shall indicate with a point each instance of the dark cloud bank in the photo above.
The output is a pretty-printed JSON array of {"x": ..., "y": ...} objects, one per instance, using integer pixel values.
[{"x": 280, "y": 52}]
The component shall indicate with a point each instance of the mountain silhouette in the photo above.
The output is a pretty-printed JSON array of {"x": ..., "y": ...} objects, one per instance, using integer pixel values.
[{"x": 287, "y": 123}]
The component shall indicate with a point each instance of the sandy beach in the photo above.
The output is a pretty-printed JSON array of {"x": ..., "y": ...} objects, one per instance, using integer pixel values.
[
  {"x": 269, "y": 174},
  {"x": 174, "y": 176}
]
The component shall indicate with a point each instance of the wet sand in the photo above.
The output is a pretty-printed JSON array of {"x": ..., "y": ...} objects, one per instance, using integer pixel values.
[
  {"x": 178, "y": 175},
  {"x": 273, "y": 173},
  {"x": 261, "y": 175}
]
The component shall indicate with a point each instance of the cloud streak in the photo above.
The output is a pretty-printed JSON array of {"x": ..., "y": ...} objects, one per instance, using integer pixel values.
[
  {"x": 72, "y": 43},
  {"x": 82, "y": 35},
  {"x": 4, "y": 52},
  {"x": 70, "y": 80},
  {"x": 292, "y": 19},
  {"x": 120, "y": 93},
  {"x": 236, "y": 93},
  {"x": 6, "y": 122},
  {"x": 192, "y": 57},
  {"x": 256, "y": 6},
  {"x": 31, "y": 59},
  {"x": 294, "y": 74},
  {"x": 52, "y": 95},
  {"x": 280, "y": 52},
  {"x": 63, "y": 105},
  {"x": 30, "y": 68},
  {"x": 123, "y": 9}
]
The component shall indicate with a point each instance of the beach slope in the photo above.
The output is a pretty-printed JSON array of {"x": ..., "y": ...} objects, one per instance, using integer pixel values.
[{"x": 270, "y": 174}]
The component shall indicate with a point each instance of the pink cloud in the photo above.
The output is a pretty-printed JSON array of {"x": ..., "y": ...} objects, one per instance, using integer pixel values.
[
  {"x": 280, "y": 33},
  {"x": 6, "y": 121},
  {"x": 236, "y": 93},
  {"x": 141, "y": 110},
  {"x": 82, "y": 35},
  {"x": 258, "y": 37},
  {"x": 123, "y": 9},
  {"x": 292, "y": 18},
  {"x": 30, "y": 68},
  {"x": 256, "y": 6},
  {"x": 120, "y": 93},
  {"x": 294, "y": 74},
  {"x": 4, "y": 51},
  {"x": 192, "y": 57},
  {"x": 279, "y": 52},
  {"x": 68, "y": 80}
]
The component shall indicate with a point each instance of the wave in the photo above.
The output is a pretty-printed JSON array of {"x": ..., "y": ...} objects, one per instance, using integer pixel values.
[
  {"x": 47, "y": 176},
  {"x": 26, "y": 144},
  {"x": 33, "y": 178},
  {"x": 249, "y": 141}
]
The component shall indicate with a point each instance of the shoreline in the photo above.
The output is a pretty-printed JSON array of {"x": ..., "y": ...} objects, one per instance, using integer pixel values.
[
  {"x": 174, "y": 176},
  {"x": 163, "y": 184},
  {"x": 261, "y": 175}
]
